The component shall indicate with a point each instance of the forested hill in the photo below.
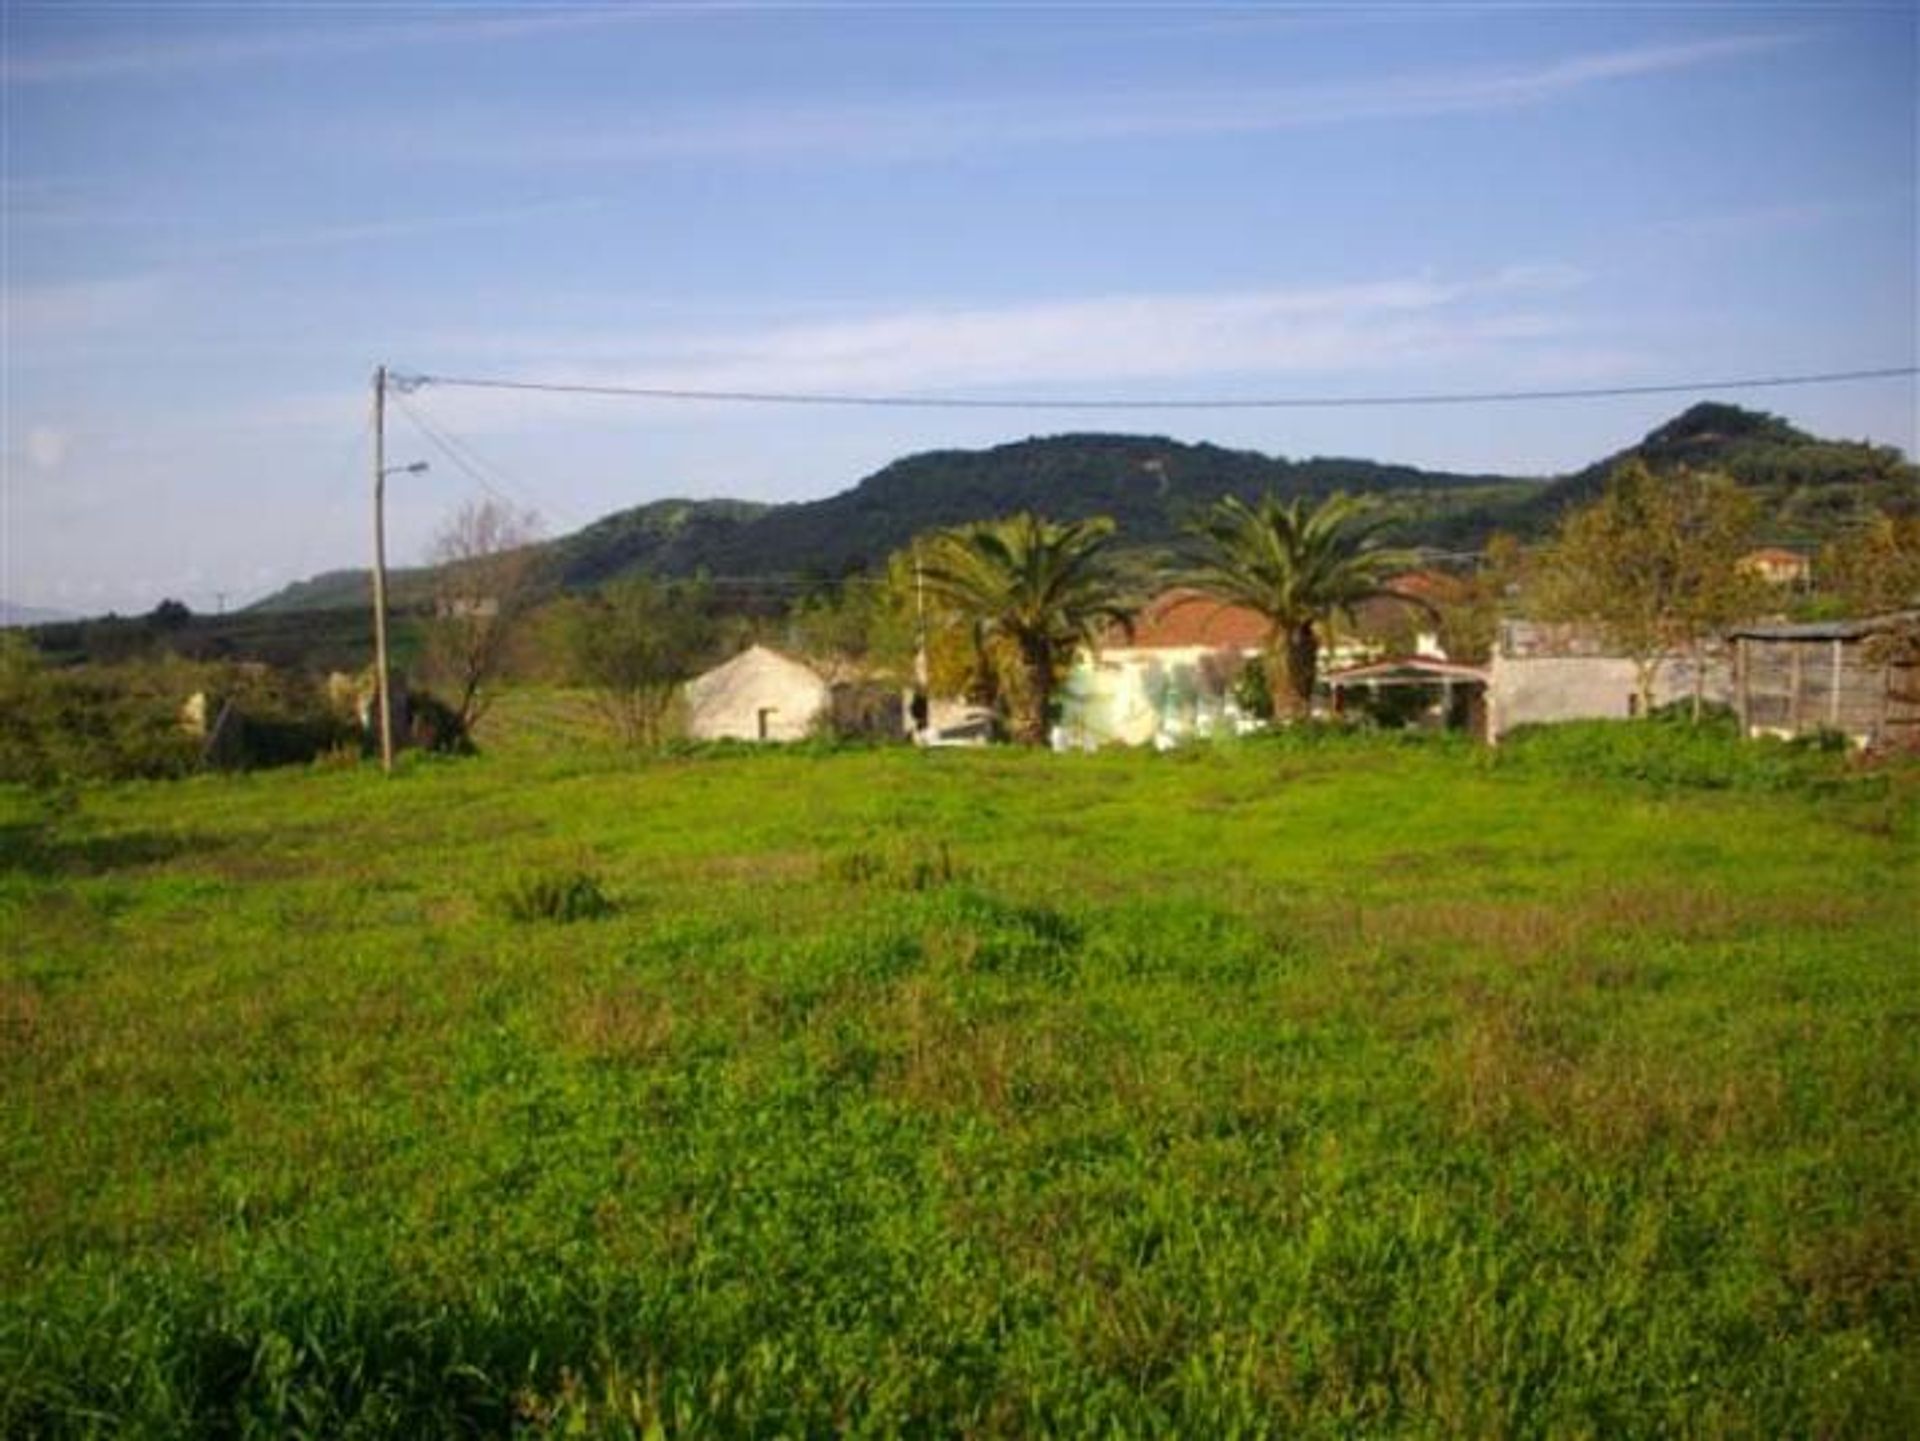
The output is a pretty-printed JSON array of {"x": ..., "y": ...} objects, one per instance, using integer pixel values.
[
  {"x": 1807, "y": 487},
  {"x": 1152, "y": 486}
]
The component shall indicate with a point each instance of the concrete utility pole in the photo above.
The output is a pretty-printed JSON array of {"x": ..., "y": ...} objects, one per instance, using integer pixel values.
[{"x": 380, "y": 567}]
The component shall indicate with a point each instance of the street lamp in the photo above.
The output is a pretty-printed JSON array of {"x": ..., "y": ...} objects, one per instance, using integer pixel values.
[{"x": 381, "y": 470}]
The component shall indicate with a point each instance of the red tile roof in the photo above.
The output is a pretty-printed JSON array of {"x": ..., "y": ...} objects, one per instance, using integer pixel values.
[{"x": 1180, "y": 618}]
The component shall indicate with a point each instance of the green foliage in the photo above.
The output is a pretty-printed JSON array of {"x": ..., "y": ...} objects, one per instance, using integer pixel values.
[
  {"x": 1655, "y": 565},
  {"x": 861, "y": 627},
  {"x": 1803, "y": 487},
  {"x": 563, "y": 896},
  {"x": 1875, "y": 568},
  {"x": 129, "y": 721},
  {"x": 1040, "y": 589},
  {"x": 436, "y": 727},
  {"x": 633, "y": 644},
  {"x": 897, "y": 863},
  {"x": 1711, "y": 756},
  {"x": 1298, "y": 566},
  {"x": 90, "y": 723},
  {"x": 169, "y": 615},
  {"x": 1253, "y": 689}
]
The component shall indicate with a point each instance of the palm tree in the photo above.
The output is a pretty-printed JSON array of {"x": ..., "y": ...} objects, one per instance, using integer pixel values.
[
  {"x": 1039, "y": 588},
  {"x": 1298, "y": 567}
]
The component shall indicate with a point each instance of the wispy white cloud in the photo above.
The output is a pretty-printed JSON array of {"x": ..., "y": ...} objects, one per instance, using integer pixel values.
[
  {"x": 889, "y": 130},
  {"x": 124, "y": 60},
  {"x": 1756, "y": 220},
  {"x": 50, "y": 314},
  {"x": 406, "y": 227}
]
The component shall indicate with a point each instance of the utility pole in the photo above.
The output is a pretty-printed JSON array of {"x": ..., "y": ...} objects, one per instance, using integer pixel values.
[
  {"x": 923, "y": 692},
  {"x": 380, "y": 567}
]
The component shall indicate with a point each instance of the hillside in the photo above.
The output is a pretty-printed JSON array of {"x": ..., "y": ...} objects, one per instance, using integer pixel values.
[
  {"x": 1808, "y": 487},
  {"x": 1152, "y": 485}
]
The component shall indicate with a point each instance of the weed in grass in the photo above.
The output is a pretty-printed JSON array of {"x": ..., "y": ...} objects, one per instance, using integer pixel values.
[{"x": 562, "y": 896}]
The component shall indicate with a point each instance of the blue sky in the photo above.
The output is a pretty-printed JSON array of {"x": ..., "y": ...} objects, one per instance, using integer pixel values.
[{"x": 219, "y": 218}]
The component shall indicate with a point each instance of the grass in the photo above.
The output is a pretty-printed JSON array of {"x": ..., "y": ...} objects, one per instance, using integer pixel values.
[{"x": 1326, "y": 1089}]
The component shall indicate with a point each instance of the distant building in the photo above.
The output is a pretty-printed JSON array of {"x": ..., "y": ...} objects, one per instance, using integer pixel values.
[
  {"x": 759, "y": 695},
  {"x": 1777, "y": 566}
]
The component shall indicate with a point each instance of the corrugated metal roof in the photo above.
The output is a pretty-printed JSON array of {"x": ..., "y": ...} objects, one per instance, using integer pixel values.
[{"x": 1828, "y": 629}]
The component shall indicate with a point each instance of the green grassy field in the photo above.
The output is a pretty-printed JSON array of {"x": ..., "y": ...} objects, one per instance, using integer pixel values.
[{"x": 1328, "y": 1089}]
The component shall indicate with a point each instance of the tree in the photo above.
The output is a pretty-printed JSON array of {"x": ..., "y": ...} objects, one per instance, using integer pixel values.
[
  {"x": 1036, "y": 589},
  {"x": 484, "y": 584},
  {"x": 634, "y": 644},
  {"x": 860, "y": 628},
  {"x": 1655, "y": 564},
  {"x": 1877, "y": 568},
  {"x": 1299, "y": 568},
  {"x": 170, "y": 614}
]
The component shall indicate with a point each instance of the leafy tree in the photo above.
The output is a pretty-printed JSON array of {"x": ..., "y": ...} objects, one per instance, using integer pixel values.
[
  {"x": 1877, "y": 568},
  {"x": 1036, "y": 588},
  {"x": 861, "y": 628},
  {"x": 1655, "y": 564},
  {"x": 170, "y": 614},
  {"x": 634, "y": 643},
  {"x": 482, "y": 591},
  {"x": 1299, "y": 566}
]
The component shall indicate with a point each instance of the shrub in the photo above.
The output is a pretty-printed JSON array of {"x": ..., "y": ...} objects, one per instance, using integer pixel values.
[
  {"x": 436, "y": 727},
  {"x": 1700, "y": 757},
  {"x": 562, "y": 896},
  {"x": 896, "y": 865},
  {"x": 90, "y": 723}
]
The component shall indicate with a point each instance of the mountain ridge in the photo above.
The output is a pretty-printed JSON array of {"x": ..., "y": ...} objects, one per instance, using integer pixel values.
[{"x": 1152, "y": 485}]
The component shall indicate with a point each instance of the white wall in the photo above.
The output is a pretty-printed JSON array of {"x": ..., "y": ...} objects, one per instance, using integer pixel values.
[{"x": 1539, "y": 690}]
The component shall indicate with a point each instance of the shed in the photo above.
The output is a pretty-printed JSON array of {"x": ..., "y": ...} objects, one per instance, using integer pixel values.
[
  {"x": 1860, "y": 678},
  {"x": 759, "y": 695}
]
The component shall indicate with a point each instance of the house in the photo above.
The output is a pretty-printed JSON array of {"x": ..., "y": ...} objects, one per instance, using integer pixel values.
[
  {"x": 1411, "y": 623},
  {"x": 1858, "y": 678},
  {"x": 1776, "y": 566},
  {"x": 1168, "y": 678},
  {"x": 759, "y": 695},
  {"x": 1541, "y": 674}
]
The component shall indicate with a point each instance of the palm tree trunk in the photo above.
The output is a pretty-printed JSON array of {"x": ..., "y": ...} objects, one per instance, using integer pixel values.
[
  {"x": 1293, "y": 660},
  {"x": 1030, "y": 717}
]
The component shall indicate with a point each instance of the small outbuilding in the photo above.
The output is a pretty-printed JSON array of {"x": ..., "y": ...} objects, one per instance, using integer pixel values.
[
  {"x": 1858, "y": 678},
  {"x": 759, "y": 695}
]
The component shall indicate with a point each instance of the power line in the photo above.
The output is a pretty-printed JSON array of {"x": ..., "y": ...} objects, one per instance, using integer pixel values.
[
  {"x": 470, "y": 462},
  {"x": 1293, "y": 402}
]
